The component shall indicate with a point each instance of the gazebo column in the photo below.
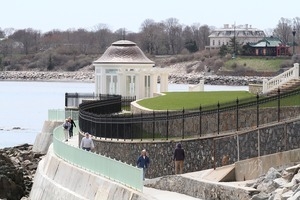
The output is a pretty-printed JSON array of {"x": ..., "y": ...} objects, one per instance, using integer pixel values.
[
  {"x": 164, "y": 82},
  {"x": 154, "y": 83},
  {"x": 141, "y": 85},
  {"x": 122, "y": 83}
]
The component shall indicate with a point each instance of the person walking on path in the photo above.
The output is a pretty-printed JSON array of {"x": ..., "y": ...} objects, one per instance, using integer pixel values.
[
  {"x": 143, "y": 162},
  {"x": 71, "y": 127},
  {"x": 66, "y": 127},
  {"x": 87, "y": 143},
  {"x": 179, "y": 159}
]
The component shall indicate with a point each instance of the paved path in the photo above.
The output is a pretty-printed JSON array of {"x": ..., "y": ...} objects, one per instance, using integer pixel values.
[{"x": 153, "y": 194}]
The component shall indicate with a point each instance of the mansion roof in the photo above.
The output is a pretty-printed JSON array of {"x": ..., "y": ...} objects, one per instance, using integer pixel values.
[
  {"x": 268, "y": 42},
  {"x": 237, "y": 31},
  {"x": 123, "y": 52}
]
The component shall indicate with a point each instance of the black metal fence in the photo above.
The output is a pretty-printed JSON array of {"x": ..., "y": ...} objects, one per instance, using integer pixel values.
[
  {"x": 73, "y": 100},
  {"x": 241, "y": 114}
]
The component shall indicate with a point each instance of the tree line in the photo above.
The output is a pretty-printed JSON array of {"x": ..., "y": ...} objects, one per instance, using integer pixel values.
[{"x": 155, "y": 38}]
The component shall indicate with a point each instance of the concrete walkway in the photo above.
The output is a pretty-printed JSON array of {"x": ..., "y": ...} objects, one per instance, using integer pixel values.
[{"x": 151, "y": 193}]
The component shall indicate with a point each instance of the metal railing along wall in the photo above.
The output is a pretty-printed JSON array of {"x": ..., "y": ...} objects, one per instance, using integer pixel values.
[
  {"x": 75, "y": 99},
  {"x": 62, "y": 114},
  {"x": 167, "y": 124},
  {"x": 129, "y": 176}
]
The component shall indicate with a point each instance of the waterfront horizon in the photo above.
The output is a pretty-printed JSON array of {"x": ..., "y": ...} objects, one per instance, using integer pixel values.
[{"x": 25, "y": 105}]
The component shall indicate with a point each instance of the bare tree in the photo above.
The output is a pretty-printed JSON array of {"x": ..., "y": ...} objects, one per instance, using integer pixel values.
[
  {"x": 189, "y": 39},
  {"x": 153, "y": 37},
  {"x": 102, "y": 37},
  {"x": 204, "y": 39},
  {"x": 269, "y": 32},
  {"x": 296, "y": 25},
  {"x": 28, "y": 39},
  {"x": 284, "y": 30},
  {"x": 174, "y": 32}
]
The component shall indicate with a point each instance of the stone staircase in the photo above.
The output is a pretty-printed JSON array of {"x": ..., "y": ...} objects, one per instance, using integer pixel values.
[
  {"x": 286, "y": 81},
  {"x": 286, "y": 87}
]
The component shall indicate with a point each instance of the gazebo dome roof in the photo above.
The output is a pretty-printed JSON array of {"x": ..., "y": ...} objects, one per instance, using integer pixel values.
[{"x": 123, "y": 52}]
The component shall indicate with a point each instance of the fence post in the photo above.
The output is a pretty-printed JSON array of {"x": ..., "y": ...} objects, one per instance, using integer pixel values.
[
  {"x": 237, "y": 114},
  {"x": 257, "y": 110},
  {"x": 66, "y": 99},
  {"x": 167, "y": 124},
  {"x": 153, "y": 125},
  {"x": 214, "y": 154},
  {"x": 218, "y": 120},
  {"x": 141, "y": 126},
  {"x": 183, "y": 123},
  {"x": 124, "y": 128},
  {"x": 131, "y": 127},
  {"x": 200, "y": 121},
  {"x": 111, "y": 130},
  {"x": 278, "y": 117}
]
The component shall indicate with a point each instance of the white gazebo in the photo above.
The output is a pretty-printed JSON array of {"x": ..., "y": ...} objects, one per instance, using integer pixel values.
[{"x": 124, "y": 69}]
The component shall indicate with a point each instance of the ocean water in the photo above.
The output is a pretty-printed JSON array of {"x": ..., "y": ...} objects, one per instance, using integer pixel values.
[{"x": 24, "y": 105}]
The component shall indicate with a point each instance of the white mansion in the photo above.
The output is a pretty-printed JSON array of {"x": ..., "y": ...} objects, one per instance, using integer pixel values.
[{"x": 242, "y": 33}]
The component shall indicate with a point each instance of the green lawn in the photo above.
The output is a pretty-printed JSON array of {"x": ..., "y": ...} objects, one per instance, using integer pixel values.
[
  {"x": 193, "y": 100},
  {"x": 190, "y": 100},
  {"x": 257, "y": 64}
]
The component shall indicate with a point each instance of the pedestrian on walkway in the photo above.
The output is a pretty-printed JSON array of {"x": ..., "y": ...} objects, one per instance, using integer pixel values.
[
  {"x": 87, "y": 143},
  {"x": 143, "y": 162},
  {"x": 179, "y": 158},
  {"x": 71, "y": 127},
  {"x": 66, "y": 127}
]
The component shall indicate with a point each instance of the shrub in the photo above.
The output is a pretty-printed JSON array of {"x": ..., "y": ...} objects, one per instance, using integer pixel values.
[
  {"x": 234, "y": 65},
  {"x": 218, "y": 63}
]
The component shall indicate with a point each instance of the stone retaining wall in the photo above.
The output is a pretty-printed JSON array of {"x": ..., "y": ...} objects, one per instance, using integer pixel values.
[
  {"x": 205, "y": 152},
  {"x": 203, "y": 124}
]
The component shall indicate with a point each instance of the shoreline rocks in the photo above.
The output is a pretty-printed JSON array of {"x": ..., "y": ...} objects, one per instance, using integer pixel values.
[
  {"x": 17, "y": 169},
  {"x": 88, "y": 76}
]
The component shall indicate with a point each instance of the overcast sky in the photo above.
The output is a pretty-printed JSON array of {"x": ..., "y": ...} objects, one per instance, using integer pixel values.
[{"x": 46, "y": 15}]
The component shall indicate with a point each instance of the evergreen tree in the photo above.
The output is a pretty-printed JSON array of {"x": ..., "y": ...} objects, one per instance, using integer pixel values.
[
  {"x": 223, "y": 50},
  {"x": 191, "y": 46}
]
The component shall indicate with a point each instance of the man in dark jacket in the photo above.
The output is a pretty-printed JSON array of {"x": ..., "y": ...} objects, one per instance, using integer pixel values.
[
  {"x": 179, "y": 158},
  {"x": 71, "y": 127},
  {"x": 143, "y": 162}
]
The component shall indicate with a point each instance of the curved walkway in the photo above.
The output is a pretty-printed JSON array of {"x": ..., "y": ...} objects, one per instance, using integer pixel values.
[{"x": 151, "y": 193}]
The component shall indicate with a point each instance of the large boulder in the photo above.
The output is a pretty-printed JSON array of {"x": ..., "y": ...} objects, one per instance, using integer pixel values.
[{"x": 11, "y": 180}]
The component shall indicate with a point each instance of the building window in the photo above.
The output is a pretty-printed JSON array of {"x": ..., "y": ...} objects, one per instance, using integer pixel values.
[
  {"x": 219, "y": 43},
  {"x": 213, "y": 42}
]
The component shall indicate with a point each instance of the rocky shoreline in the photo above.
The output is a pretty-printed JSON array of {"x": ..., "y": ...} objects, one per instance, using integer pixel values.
[
  {"x": 17, "y": 169},
  {"x": 88, "y": 76}
]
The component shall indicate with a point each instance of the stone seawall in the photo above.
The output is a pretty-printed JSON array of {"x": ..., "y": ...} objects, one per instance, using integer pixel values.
[
  {"x": 205, "y": 152},
  {"x": 57, "y": 179}
]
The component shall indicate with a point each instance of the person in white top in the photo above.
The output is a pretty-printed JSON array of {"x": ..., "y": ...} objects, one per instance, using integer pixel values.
[
  {"x": 87, "y": 142},
  {"x": 66, "y": 127}
]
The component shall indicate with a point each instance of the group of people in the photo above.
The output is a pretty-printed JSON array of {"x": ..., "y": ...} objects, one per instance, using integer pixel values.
[
  {"x": 86, "y": 142},
  {"x": 68, "y": 126},
  {"x": 143, "y": 160}
]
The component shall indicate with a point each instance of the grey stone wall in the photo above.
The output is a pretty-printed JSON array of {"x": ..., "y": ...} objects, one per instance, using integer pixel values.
[
  {"x": 207, "y": 123},
  {"x": 255, "y": 88},
  {"x": 205, "y": 152},
  {"x": 200, "y": 189}
]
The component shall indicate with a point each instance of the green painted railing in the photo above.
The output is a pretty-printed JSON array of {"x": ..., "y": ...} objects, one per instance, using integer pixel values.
[
  {"x": 112, "y": 169},
  {"x": 61, "y": 114}
]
